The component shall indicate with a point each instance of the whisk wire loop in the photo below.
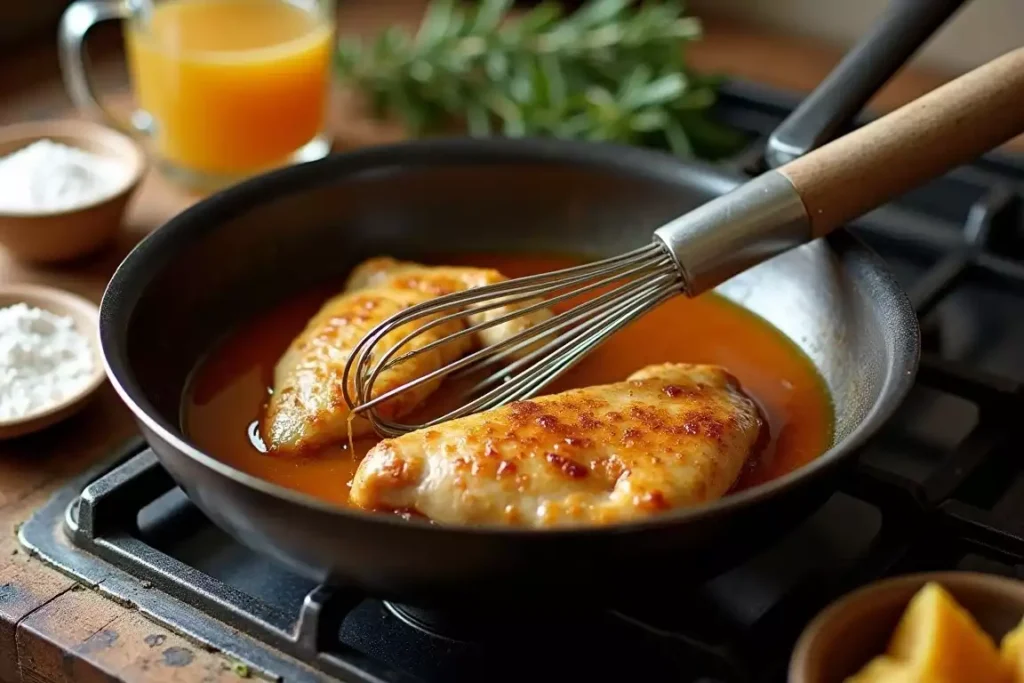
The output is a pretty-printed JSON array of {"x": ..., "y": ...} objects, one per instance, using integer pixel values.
[
  {"x": 387, "y": 361},
  {"x": 584, "y": 337},
  {"x": 487, "y": 356},
  {"x": 605, "y": 306},
  {"x": 640, "y": 279}
]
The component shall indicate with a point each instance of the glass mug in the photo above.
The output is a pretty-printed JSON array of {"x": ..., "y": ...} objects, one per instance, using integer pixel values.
[{"x": 226, "y": 88}]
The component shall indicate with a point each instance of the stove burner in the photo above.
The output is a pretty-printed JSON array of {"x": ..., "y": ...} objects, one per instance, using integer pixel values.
[
  {"x": 463, "y": 627},
  {"x": 495, "y": 623},
  {"x": 940, "y": 487}
]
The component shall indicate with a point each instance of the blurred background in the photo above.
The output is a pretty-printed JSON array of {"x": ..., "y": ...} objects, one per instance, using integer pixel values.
[{"x": 984, "y": 29}]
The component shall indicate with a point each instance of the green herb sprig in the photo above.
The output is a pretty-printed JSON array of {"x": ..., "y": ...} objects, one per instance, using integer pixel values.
[{"x": 610, "y": 71}]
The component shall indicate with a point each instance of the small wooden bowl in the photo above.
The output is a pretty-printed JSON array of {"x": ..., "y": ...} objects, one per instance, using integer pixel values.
[
  {"x": 69, "y": 234},
  {"x": 857, "y": 627},
  {"x": 86, "y": 317}
]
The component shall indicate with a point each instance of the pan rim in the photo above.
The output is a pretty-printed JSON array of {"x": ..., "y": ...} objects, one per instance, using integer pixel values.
[{"x": 123, "y": 291}]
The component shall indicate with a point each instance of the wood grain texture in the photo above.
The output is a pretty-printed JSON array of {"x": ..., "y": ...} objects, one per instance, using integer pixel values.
[
  {"x": 943, "y": 129},
  {"x": 60, "y": 626},
  {"x": 24, "y": 588},
  {"x": 26, "y": 584},
  {"x": 83, "y": 637}
]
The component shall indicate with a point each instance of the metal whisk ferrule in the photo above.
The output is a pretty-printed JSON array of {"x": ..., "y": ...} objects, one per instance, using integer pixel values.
[{"x": 520, "y": 366}]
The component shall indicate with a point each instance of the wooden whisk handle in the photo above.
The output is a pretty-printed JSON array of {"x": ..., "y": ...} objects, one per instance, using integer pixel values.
[
  {"x": 893, "y": 154},
  {"x": 811, "y": 196}
]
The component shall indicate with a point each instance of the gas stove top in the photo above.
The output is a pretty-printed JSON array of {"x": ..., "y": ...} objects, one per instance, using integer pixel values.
[{"x": 940, "y": 487}]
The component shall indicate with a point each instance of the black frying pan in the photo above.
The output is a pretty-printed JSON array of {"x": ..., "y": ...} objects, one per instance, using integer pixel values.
[{"x": 255, "y": 245}]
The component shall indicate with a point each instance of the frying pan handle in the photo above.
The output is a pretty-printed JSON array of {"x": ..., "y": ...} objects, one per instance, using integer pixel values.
[
  {"x": 908, "y": 147},
  {"x": 904, "y": 27}
]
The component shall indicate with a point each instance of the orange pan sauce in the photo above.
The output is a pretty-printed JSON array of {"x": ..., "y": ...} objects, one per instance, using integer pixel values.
[{"x": 228, "y": 391}]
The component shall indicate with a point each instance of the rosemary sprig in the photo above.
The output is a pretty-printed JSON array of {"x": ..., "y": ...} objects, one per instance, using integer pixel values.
[{"x": 609, "y": 71}]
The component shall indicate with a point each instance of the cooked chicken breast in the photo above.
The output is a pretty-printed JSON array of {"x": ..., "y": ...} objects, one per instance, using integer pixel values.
[
  {"x": 384, "y": 271},
  {"x": 307, "y": 408},
  {"x": 669, "y": 436}
]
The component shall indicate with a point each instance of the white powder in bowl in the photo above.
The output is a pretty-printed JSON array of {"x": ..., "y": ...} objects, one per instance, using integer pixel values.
[
  {"x": 43, "y": 360},
  {"x": 49, "y": 176}
]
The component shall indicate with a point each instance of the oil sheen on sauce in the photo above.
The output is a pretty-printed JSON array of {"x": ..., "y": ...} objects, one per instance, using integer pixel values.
[{"x": 228, "y": 391}]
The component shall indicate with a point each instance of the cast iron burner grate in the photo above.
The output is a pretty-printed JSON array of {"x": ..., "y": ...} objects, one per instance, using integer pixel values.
[{"x": 941, "y": 487}]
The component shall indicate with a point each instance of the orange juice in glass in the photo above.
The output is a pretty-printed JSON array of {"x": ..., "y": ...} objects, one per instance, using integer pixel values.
[{"x": 226, "y": 88}]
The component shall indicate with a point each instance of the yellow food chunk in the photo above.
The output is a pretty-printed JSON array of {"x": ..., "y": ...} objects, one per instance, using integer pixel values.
[
  {"x": 943, "y": 643},
  {"x": 1012, "y": 650},
  {"x": 937, "y": 641},
  {"x": 884, "y": 669}
]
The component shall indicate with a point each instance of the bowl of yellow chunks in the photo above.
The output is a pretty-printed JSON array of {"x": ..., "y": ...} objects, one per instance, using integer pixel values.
[{"x": 944, "y": 627}]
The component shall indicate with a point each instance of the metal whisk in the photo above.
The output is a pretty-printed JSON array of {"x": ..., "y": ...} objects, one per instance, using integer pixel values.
[
  {"x": 688, "y": 255},
  {"x": 776, "y": 211},
  {"x": 640, "y": 280}
]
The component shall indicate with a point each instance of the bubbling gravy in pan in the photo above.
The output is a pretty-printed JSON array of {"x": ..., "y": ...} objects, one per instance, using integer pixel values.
[{"x": 228, "y": 391}]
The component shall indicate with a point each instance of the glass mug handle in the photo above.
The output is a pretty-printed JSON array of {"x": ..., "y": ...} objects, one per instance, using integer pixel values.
[{"x": 78, "y": 18}]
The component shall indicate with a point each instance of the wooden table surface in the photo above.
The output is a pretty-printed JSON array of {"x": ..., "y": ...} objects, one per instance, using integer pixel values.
[{"x": 53, "y": 630}]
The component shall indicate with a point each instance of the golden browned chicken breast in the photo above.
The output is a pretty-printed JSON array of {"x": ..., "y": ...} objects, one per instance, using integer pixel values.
[
  {"x": 670, "y": 436},
  {"x": 307, "y": 408},
  {"x": 384, "y": 271}
]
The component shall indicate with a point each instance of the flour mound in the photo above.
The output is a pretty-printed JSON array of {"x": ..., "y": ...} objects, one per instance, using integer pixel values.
[{"x": 43, "y": 360}]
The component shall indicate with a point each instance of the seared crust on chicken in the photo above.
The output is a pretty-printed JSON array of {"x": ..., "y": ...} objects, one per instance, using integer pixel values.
[
  {"x": 670, "y": 436},
  {"x": 307, "y": 409}
]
